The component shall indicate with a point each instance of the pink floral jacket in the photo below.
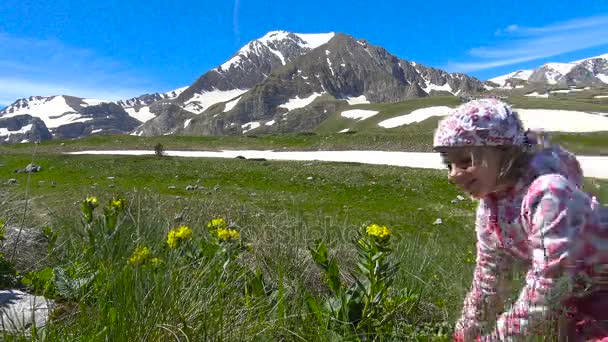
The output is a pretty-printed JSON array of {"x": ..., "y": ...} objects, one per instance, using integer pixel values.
[{"x": 546, "y": 221}]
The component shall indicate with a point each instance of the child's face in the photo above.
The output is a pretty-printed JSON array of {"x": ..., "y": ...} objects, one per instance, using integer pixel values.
[{"x": 474, "y": 170}]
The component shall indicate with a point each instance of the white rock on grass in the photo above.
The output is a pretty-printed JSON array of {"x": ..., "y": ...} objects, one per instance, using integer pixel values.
[
  {"x": 20, "y": 311},
  {"x": 438, "y": 221}
]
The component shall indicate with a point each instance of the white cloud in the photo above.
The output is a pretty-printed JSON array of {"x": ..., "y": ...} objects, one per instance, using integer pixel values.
[
  {"x": 517, "y": 44},
  {"x": 235, "y": 20},
  {"x": 35, "y": 67}
]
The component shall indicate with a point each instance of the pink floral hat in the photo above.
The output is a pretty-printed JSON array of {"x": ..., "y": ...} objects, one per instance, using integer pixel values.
[{"x": 484, "y": 122}]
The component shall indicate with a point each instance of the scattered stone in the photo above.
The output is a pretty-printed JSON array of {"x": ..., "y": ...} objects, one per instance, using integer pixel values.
[
  {"x": 454, "y": 201},
  {"x": 460, "y": 198},
  {"x": 438, "y": 221},
  {"x": 29, "y": 168},
  {"x": 33, "y": 168},
  {"x": 110, "y": 185},
  {"x": 11, "y": 181},
  {"x": 309, "y": 178},
  {"x": 216, "y": 188},
  {"x": 172, "y": 187},
  {"x": 110, "y": 178},
  {"x": 62, "y": 144},
  {"x": 20, "y": 311},
  {"x": 419, "y": 209}
]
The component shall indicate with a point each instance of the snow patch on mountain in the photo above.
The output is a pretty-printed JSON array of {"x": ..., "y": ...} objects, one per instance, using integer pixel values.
[
  {"x": 298, "y": 102},
  {"x": 199, "y": 102},
  {"x": 314, "y": 40},
  {"x": 174, "y": 93},
  {"x": 142, "y": 114},
  {"x": 250, "y": 125},
  {"x": 4, "y": 132},
  {"x": 357, "y": 100},
  {"x": 41, "y": 107},
  {"x": 417, "y": 115},
  {"x": 555, "y": 71},
  {"x": 520, "y": 74},
  {"x": 552, "y": 120},
  {"x": 327, "y": 52},
  {"x": 604, "y": 56},
  {"x": 536, "y": 94},
  {"x": 566, "y": 91},
  {"x": 431, "y": 86},
  {"x": 358, "y": 114},
  {"x": 310, "y": 41},
  {"x": 229, "y": 105},
  {"x": 54, "y": 111},
  {"x": 92, "y": 102}
]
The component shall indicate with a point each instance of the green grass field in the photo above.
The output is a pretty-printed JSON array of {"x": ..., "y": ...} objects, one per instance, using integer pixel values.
[
  {"x": 261, "y": 289},
  {"x": 280, "y": 208}
]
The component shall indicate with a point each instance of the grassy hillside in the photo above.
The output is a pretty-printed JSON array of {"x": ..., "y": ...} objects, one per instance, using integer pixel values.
[{"x": 280, "y": 209}]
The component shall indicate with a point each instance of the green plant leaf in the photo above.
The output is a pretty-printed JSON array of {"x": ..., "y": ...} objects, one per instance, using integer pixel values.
[
  {"x": 333, "y": 276},
  {"x": 314, "y": 308},
  {"x": 319, "y": 254}
]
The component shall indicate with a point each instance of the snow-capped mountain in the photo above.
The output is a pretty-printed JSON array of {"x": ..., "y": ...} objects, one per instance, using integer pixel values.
[
  {"x": 279, "y": 73},
  {"x": 68, "y": 116},
  {"x": 303, "y": 93},
  {"x": 248, "y": 67},
  {"x": 281, "y": 82},
  {"x": 586, "y": 72}
]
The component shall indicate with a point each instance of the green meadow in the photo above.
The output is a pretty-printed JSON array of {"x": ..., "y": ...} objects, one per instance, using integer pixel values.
[{"x": 302, "y": 267}]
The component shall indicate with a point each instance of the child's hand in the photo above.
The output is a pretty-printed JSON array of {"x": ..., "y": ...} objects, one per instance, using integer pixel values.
[{"x": 466, "y": 336}]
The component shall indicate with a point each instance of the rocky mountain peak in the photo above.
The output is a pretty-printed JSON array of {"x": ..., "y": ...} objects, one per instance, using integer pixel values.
[{"x": 585, "y": 72}]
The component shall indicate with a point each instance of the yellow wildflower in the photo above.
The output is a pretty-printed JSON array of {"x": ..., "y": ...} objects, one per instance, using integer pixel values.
[
  {"x": 156, "y": 261},
  {"x": 217, "y": 223},
  {"x": 184, "y": 232},
  {"x": 92, "y": 202},
  {"x": 178, "y": 235},
  {"x": 117, "y": 203},
  {"x": 227, "y": 234},
  {"x": 140, "y": 255},
  {"x": 378, "y": 232},
  {"x": 172, "y": 239},
  {"x": 470, "y": 258}
]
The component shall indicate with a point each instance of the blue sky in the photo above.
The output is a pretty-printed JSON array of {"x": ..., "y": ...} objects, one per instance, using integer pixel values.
[{"x": 119, "y": 49}]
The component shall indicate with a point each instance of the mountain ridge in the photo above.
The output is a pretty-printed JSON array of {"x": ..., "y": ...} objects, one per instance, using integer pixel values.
[{"x": 272, "y": 83}]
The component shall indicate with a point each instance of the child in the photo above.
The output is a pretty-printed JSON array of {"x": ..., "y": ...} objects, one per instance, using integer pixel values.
[{"x": 531, "y": 209}]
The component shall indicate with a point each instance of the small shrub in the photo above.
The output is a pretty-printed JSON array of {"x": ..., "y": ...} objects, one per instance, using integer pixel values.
[{"x": 159, "y": 150}]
